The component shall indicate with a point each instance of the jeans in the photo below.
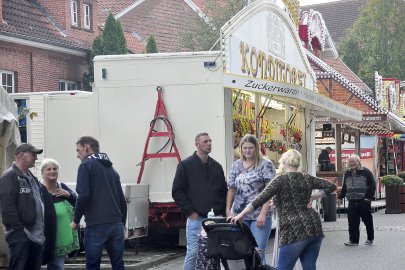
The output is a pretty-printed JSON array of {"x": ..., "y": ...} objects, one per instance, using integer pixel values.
[
  {"x": 306, "y": 250},
  {"x": 261, "y": 235},
  {"x": 356, "y": 210},
  {"x": 58, "y": 263},
  {"x": 193, "y": 229},
  {"x": 110, "y": 236},
  {"x": 24, "y": 254}
]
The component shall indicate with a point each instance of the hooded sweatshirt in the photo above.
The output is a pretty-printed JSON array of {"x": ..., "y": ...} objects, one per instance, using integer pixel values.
[{"x": 100, "y": 196}]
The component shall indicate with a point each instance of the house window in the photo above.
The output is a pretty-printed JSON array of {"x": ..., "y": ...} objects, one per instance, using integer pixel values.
[
  {"x": 67, "y": 85},
  {"x": 74, "y": 13},
  {"x": 7, "y": 81},
  {"x": 87, "y": 16}
]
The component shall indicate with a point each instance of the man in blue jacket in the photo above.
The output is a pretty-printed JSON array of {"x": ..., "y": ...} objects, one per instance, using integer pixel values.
[
  {"x": 199, "y": 186},
  {"x": 102, "y": 202}
]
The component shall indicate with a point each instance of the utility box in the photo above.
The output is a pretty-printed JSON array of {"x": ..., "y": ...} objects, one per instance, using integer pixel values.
[{"x": 137, "y": 196}]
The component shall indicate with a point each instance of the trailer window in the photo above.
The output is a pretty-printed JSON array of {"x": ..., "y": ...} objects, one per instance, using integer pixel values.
[{"x": 22, "y": 118}]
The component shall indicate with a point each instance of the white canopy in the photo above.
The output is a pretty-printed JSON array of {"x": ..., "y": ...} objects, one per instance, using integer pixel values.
[{"x": 9, "y": 132}]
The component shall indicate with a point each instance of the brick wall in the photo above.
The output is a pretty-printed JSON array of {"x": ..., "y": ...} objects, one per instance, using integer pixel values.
[
  {"x": 342, "y": 95},
  {"x": 46, "y": 67},
  {"x": 61, "y": 12}
]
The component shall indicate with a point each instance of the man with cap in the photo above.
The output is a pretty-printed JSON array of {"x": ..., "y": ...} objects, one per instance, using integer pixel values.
[{"x": 27, "y": 211}]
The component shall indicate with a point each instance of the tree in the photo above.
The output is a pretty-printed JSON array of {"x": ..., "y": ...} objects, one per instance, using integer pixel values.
[
  {"x": 111, "y": 42},
  {"x": 376, "y": 42},
  {"x": 202, "y": 33},
  {"x": 151, "y": 46}
]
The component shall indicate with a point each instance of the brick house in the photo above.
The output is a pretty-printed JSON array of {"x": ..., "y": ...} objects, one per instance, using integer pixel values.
[
  {"x": 44, "y": 43},
  {"x": 164, "y": 19}
]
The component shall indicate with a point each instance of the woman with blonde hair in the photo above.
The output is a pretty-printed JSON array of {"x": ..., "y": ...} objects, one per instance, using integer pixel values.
[
  {"x": 299, "y": 224},
  {"x": 248, "y": 176},
  {"x": 64, "y": 200}
]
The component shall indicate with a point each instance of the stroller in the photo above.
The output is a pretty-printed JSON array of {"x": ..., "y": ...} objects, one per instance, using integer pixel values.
[{"x": 232, "y": 242}]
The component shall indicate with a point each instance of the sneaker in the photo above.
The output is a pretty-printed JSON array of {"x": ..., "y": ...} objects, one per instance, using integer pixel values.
[
  {"x": 368, "y": 242},
  {"x": 350, "y": 243}
]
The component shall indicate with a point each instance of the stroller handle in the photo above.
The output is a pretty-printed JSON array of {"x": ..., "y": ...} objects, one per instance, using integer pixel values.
[{"x": 217, "y": 222}]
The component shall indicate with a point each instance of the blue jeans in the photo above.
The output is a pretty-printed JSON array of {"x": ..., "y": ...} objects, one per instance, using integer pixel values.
[
  {"x": 110, "y": 236},
  {"x": 307, "y": 250},
  {"x": 58, "y": 263},
  {"x": 193, "y": 229},
  {"x": 261, "y": 235},
  {"x": 24, "y": 254}
]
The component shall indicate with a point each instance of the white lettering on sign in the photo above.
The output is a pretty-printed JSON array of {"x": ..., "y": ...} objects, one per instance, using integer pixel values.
[{"x": 346, "y": 153}]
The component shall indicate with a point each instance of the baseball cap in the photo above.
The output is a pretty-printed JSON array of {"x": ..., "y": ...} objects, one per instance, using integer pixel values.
[{"x": 27, "y": 147}]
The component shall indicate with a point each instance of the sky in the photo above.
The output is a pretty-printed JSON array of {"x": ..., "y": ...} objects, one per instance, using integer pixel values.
[{"x": 313, "y": 2}]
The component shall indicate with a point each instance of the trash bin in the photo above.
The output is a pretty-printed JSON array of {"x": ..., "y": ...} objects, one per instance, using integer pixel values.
[{"x": 329, "y": 207}]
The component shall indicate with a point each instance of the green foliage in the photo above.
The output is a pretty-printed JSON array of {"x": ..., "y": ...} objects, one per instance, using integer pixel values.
[
  {"x": 376, "y": 41},
  {"x": 200, "y": 35},
  {"x": 113, "y": 39},
  {"x": 151, "y": 46},
  {"x": 401, "y": 174},
  {"x": 111, "y": 42},
  {"x": 391, "y": 180}
]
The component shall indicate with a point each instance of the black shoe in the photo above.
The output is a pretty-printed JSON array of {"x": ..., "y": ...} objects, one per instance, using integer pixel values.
[
  {"x": 351, "y": 244},
  {"x": 369, "y": 242}
]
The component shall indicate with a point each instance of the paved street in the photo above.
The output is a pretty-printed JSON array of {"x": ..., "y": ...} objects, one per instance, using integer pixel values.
[{"x": 387, "y": 251}]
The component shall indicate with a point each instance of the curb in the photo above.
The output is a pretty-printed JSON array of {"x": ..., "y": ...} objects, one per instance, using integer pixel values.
[
  {"x": 147, "y": 262},
  {"x": 156, "y": 261}
]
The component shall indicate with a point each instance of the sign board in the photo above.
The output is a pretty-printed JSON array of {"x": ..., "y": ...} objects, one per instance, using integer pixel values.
[
  {"x": 328, "y": 133},
  {"x": 263, "y": 54},
  {"x": 346, "y": 153},
  {"x": 325, "y": 140}
]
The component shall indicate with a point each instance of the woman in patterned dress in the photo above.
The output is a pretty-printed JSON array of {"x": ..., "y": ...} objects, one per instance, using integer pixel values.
[
  {"x": 247, "y": 178},
  {"x": 300, "y": 225},
  {"x": 64, "y": 200}
]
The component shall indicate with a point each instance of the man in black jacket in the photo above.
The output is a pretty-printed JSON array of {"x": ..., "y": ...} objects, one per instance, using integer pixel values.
[
  {"x": 27, "y": 211},
  {"x": 102, "y": 202},
  {"x": 324, "y": 159},
  {"x": 359, "y": 188},
  {"x": 199, "y": 186}
]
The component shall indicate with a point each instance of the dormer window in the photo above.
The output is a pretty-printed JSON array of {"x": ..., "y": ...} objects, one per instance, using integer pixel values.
[
  {"x": 74, "y": 13},
  {"x": 87, "y": 16}
]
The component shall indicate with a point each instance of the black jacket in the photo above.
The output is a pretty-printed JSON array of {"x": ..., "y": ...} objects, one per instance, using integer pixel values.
[
  {"x": 100, "y": 196},
  {"x": 18, "y": 206},
  {"x": 196, "y": 189}
]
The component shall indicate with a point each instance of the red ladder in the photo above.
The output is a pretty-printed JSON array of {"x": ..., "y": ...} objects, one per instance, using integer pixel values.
[{"x": 160, "y": 114}]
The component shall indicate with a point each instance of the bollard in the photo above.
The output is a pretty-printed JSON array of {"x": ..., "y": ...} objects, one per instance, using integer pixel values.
[{"x": 329, "y": 207}]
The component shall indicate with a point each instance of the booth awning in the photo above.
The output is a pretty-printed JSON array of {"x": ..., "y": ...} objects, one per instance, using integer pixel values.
[
  {"x": 295, "y": 95},
  {"x": 381, "y": 124}
]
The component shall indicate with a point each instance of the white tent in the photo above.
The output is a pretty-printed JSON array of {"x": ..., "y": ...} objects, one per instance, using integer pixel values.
[
  {"x": 9, "y": 139},
  {"x": 9, "y": 133}
]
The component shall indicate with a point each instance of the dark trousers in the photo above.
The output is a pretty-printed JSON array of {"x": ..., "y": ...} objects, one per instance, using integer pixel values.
[
  {"x": 356, "y": 210},
  {"x": 24, "y": 254}
]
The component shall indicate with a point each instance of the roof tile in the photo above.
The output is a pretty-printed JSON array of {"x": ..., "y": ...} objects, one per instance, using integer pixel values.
[
  {"x": 163, "y": 19},
  {"x": 339, "y": 16},
  {"x": 23, "y": 20}
]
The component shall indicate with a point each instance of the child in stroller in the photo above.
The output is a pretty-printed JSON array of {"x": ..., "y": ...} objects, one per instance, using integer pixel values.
[{"x": 230, "y": 242}]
